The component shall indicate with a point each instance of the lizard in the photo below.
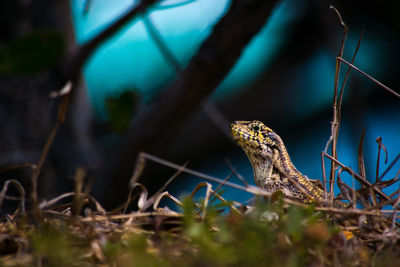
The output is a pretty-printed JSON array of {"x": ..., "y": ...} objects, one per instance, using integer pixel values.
[{"x": 272, "y": 168}]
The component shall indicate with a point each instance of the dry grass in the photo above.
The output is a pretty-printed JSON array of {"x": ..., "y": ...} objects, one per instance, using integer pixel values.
[{"x": 73, "y": 229}]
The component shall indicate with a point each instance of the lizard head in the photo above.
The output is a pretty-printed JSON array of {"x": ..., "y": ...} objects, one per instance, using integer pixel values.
[{"x": 253, "y": 136}]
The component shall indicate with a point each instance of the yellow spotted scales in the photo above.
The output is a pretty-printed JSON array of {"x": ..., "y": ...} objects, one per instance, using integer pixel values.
[{"x": 273, "y": 170}]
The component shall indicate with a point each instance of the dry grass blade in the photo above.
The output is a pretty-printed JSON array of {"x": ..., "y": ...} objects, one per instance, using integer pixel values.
[
  {"x": 10, "y": 167},
  {"x": 133, "y": 215},
  {"x": 79, "y": 197},
  {"x": 337, "y": 105},
  {"x": 155, "y": 235},
  {"x": 250, "y": 189},
  {"x": 389, "y": 167},
  {"x": 20, "y": 189},
  {"x": 377, "y": 213},
  {"x": 344, "y": 188},
  {"x": 210, "y": 192},
  {"x": 175, "y": 175},
  {"x": 380, "y": 146},
  {"x": 359, "y": 178},
  {"x": 395, "y": 208},
  {"x": 45, "y": 204},
  {"x": 138, "y": 170},
  {"x": 163, "y": 195},
  {"x": 260, "y": 192},
  {"x": 369, "y": 77},
  {"x": 361, "y": 163},
  {"x": 62, "y": 110},
  {"x": 324, "y": 175},
  {"x": 238, "y": 175},
  {"x": 142, "y": 203},
  {"x": 206, "y": 198},
  {"x": 220, "y": 185},
  {"x": 336, "y": 109},
  {"x": 64, "y": 91}
]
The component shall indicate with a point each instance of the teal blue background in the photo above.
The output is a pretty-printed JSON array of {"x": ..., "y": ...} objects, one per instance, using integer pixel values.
[{"x": 131, "y": 60}]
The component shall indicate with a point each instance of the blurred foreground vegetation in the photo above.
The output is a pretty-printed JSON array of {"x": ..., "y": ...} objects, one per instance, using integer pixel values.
[{"x": 217, "y": 234}]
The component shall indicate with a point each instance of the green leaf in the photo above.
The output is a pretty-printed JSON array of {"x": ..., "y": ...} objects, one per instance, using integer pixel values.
[{"x": 121, "y": 111}]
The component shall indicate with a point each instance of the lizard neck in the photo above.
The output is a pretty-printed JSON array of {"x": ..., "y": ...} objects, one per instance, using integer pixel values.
[
  {"x": 262, "y": 170},
  {"x": 285, "y": 166},
  {"x": 273, "y": 170},
  {"x": 282, "y": 160}
]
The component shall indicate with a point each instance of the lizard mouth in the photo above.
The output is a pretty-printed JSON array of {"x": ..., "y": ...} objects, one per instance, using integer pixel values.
[{"x": 237, "y": 138}]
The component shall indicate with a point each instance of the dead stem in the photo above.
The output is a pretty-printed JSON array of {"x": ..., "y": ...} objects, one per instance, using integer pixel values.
[
  {"x": 62, "y": 110},
  {"x": 380, "y": 146},
  {"x": 238, "y": 175},
  {"x": 20, "y": 189},
  {"x": 359, "y": 178},
  {"x": 369, "y": 77},
  {"x": 395, "y": 208},
  {"x": 390, "y": 166},
  {"x": 249, "y": 188},
  {"x": 221, "y": 184},
  {"x": 336, "y": 111}
]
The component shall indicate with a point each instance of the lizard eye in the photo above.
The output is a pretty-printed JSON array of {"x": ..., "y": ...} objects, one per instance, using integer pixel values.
[{"x": 256, "y": 128}]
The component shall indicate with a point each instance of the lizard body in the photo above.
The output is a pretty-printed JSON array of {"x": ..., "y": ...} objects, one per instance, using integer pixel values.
[{"x": 273, "y": 170}]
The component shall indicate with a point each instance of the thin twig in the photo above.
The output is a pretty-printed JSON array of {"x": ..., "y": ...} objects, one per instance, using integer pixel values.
[
  {"x": 390, "y": 166},
  {"x": 370, "y": 77},
  {"x": 9, "y": 167},
  {"x": 209, "y": 108},
  {"x": 20, "y": 189},
  {"x": 361, "y": 163},
  {"x": 323, "y": 175},
  {"x": 349, "y": 69},
  {"x": 235, "y": 172},
  {"x": 338, "y": 14},
  {"x": 379, "y": 141},
  {"x": 162, "y": 46},
  {"x": 342, "y": 186},
  {"x": 359, "y": 178},
  {"x": 174, "y": 5},
  {"x": 336, "y": 109},
  {"x": 168, "y": 195},
  {"x": 249, "y": 188},
  {"x": 143, "y": 198},
  {"x": 172, "y": 178},
  {"x": 395, "y": 208},
  {"x": 80, "y": 195},
  {"x": 154, "y": 128},
  {"x": 48, "y": 203},
  {"x": 221, "y": 184},
  {"x": 354, "y": 193},
  {"x": 78, "y": 57},
  {"x": 62, "y": 109},
  {"x": 216, "y": 117},
  {"x": 128, "y": 201}
]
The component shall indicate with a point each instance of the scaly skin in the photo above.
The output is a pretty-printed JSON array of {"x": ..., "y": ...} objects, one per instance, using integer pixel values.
[{"x": 273, "y": 170}]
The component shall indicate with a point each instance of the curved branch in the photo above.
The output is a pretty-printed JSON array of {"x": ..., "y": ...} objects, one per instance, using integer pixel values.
[
  {"x": 155, "y": 127},
  {"x": 78, "y": 56}
]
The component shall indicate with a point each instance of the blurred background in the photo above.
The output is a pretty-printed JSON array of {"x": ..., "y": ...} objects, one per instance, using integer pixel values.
[{"x": 284, "y": 77}]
